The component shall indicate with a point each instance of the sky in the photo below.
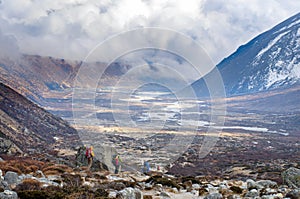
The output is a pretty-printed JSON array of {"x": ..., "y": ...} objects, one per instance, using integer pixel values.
[{"x": 71, "y": 29}]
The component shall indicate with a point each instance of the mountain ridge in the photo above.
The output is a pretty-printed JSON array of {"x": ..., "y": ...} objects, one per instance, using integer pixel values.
[{"x": 269, "y": 61}]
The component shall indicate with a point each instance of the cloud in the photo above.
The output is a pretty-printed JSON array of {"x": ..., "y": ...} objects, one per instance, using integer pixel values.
[
  {"x": 9, "y": 48},
  {"x": 71, "y": 29}
]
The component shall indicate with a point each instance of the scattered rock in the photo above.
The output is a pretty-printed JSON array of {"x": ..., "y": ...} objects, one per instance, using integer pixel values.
[
  {"x": 165, "y": 195},
  {"x": 112, "y": 194},
  {"x": 196, "y": 186},
  {"x": 251, "y": 184},
  {"x": 214, "y": 196},
  {"x": 4, "y": 185},
  {"x": 130, "y": 193},
  {"x": 234, "y": 197},
  {"x": 11, "y": 177},
  {"x": 294, "y": 194},
  {"x": 291, "y": 177},
  {"x": 252, "y": 193},
  {"x": 39, "y": 174},
  {"x": 7, "y": 194},
  {"x": 132, "y": 185},
  {"x": 267, "y": 183}
]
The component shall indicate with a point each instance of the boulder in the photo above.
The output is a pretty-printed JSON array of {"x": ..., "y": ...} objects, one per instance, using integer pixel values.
[
  {"x": 234, "y": 197},
  {"x": 267, "y": 183},
  {"x": 102, "y": 159},
  {"x": 112, "y": 194},
  {"x": 130, "y": 193},
  {"x": 39, "y": 174},
  {"x": 11, "y": 177},
  {"x": 252, "y": 193},
  {"x": 196, "y": 186},
  {"x": 1, "y": 174},
  {"x": 291, "y": 177},
  {"x": 165, "y": 195},
  {"x": 8, "y": 147},
  {"x": 251, "y": 184},
  {"x": 214, "y": 196},
  {"x": 4, "y": 185},
  {"x": 7, "y": 194},
  {"x": 294, "y": 194}
]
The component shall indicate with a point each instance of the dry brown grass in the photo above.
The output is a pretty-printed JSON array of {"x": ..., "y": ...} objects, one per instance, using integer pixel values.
[
  {"x": 29, "y": 166},
  {"x": 21, "y": 165},
  {"x": 55, "y": 169}
]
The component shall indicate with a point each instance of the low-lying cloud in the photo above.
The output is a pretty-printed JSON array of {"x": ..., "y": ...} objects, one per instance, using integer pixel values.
[{"x": 71, "y": 29}]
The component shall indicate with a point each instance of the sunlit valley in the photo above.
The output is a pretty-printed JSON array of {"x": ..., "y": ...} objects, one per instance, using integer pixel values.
[{"x": 198, "y": 141}]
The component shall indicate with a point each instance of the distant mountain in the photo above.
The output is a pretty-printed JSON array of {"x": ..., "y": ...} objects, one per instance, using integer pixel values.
[
  {"x": 36, "y": 76},
  {"x": 269, "y": 61},
  {"x": 30, "y": 128},
  {"x": 48, "y": 80}
]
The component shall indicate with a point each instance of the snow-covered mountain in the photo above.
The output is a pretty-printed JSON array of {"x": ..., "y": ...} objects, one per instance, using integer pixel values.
[{"x": 269, "y": 61}]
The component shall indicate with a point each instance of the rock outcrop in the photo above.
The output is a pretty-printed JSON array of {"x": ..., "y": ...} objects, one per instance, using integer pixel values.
[{"x": 292, "y": 177}]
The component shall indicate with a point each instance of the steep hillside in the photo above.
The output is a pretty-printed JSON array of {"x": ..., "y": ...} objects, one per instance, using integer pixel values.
[
  {"x": 31, "y": 128},
  {"x": 269, "y": 61}
]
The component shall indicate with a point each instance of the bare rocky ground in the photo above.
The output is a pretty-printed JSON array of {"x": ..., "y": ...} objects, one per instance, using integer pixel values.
[
  {"x": 27, "y": 178},
  {"x": 242, "y": 164}
]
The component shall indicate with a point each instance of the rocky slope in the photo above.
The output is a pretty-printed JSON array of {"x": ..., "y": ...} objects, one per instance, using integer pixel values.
[{"x": 29, "y": 128}]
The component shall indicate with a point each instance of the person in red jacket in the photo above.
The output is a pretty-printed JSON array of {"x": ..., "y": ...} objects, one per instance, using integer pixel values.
[{"x": 89, "y": 154}]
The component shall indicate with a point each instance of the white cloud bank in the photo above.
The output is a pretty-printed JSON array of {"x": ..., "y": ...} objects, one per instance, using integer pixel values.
[{"x": 70, "y": 29}]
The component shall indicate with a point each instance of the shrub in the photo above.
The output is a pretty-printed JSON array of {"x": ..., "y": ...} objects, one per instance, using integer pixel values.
[
  {"x": 33, "y": 194},
  {"x": 72, "y": 180},
  {"x": 236, "y": 189},
  {"x": 55, "y": 169},
  {"x": 29, "y": 184},
  {"x": 166, "y": 182},
  {"x": 21, "y": 165},
  {"x": 101, "y": 193}
]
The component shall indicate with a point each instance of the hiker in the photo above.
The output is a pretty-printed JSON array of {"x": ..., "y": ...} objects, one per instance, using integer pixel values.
[
  {"x": 80, "y": 156},
  {"x": 89, "y": 154},
  {"x": 146, "y": 168},
  {"x": 117, "y": 163}
]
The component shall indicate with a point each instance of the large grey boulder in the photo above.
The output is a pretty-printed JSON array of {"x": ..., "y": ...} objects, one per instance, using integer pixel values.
[
  {"x": 267, "y": 183},
  {"x": 102, "y": 159},
  {"x": 11, "y": 177},
  {"x": 130, "y": 193},
  {"x": 105, "y": 155},
  {"x": 291, "y": 177},
  {"x": 7, "y": 194},
  {"x": 251, "y": 184}
]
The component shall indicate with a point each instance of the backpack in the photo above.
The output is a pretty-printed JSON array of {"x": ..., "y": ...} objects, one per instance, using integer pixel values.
[{"x": 89, "y": 153}]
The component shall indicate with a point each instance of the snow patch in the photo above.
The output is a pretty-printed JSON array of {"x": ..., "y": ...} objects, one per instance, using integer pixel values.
[
  {"x": 270, "y": 44},
  {"x": 275, "y": 76},
  {"x": 287, "y": 27}
]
